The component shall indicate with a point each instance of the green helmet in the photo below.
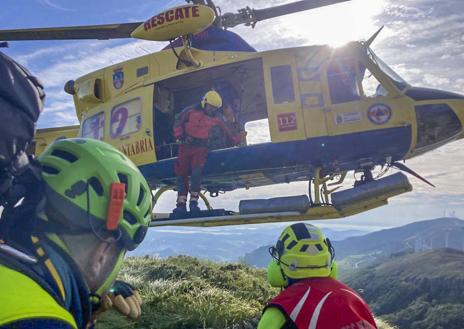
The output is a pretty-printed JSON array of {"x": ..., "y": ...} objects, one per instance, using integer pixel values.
[
  {"x": 80, "y": 174},
  {"x": 302, "y": 251}
]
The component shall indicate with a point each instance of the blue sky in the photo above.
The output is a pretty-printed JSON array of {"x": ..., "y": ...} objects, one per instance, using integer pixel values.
[{"x": 423, "y": 40}]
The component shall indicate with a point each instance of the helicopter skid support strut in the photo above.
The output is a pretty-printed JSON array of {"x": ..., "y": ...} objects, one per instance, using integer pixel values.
[{"x": 320, "y": 186}]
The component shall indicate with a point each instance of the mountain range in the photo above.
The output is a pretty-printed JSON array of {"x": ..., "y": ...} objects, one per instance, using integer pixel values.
[
  {"x": 219, "y": 243},
  {"x": 358, "y": 251}
]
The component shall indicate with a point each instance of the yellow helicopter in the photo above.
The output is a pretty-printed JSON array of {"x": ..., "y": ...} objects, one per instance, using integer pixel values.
[{"x": 330, "y": 111}]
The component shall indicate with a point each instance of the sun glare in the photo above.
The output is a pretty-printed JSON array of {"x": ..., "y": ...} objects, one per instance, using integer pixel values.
[{"x": 338, "y": 24}]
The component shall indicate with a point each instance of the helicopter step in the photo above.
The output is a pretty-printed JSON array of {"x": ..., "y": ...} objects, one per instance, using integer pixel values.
[{"x": 369, "y": 195}]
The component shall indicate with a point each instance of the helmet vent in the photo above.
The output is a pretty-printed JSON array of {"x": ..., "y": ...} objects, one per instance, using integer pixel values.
[
  {"x": 50, "y": 170},
  {"x": 141, "y": 196},
  {"x": 285, "y": 238},
  {"x": 123, "y": 179},
  {"x": 64, "y": 155},
  {"x": 319, "y": 247},
  {"x": 292, "y": 244},
  {"x": 94, "y": 182},
  {"x": 304, "y": 248},
  {"x": 148, "y": 211},
  {"x": 127, "y": 215}
]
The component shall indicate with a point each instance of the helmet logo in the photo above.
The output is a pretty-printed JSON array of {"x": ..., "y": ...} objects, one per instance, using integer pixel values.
[{"x": 312, "y": 250}]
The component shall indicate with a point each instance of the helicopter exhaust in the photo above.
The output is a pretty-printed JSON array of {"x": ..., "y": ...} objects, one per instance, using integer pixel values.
[{"x": 378, "y": 190}]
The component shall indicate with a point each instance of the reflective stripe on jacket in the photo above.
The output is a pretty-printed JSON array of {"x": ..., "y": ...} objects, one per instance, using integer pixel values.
[{"x": 323, "y": 303}]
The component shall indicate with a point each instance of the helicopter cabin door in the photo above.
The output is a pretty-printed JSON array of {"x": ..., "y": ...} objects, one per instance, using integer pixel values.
[
  {"x": 309, "y": 61},
  {"x": 286, "y": 121},
  {"x": 365, "y": 113},
  {"x": 125, "y": 122}
]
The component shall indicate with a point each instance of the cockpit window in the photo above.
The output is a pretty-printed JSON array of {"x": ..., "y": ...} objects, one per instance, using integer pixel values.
[
  {"x": 399, "y": 82},
  {"x": 435, "y": 123},
  {"x": 342, "y": 77}
]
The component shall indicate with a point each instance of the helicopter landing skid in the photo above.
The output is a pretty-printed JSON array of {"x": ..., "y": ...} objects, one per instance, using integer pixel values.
[
  {"x": 201, "y": 214},
  {"x": 344, "y": 203}
]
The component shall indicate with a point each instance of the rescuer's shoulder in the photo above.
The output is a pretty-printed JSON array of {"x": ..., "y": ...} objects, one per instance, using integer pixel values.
[{"x": 23, "y": 301}]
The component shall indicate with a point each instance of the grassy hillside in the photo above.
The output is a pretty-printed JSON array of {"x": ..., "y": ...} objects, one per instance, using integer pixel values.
[
  {"x": 184, "y": 292},
  {"x": 416, "y": 291}
]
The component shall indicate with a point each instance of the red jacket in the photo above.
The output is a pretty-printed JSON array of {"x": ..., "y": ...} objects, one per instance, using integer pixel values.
[
  {"x": 324, "y": 303},
  {"x": 195, "y": 123}
]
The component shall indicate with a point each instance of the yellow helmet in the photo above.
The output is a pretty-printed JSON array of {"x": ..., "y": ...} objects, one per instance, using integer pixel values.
[
  {"x": 302, "y": 251},
  {"x": 212, "y": 98}
]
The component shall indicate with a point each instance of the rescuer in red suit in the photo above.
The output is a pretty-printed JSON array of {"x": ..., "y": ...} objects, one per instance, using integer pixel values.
[
  {"x": 312, "y": 298},
  {"x": 192, "y": 127}
]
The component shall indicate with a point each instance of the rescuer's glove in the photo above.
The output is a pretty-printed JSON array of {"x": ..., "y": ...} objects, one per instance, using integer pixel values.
[{"x": 125, "y": 299}]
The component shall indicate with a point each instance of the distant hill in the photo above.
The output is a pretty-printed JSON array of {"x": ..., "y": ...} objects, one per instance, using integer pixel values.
[
  {"x": 423, "y": 290},
  {"x": 359, "y": 251},
  {"x": 415, "y": 237},
  {"x": 217, "y": 244}
]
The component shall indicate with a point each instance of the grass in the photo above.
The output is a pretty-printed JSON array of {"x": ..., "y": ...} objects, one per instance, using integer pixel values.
[{"x": 184, "y": 292}]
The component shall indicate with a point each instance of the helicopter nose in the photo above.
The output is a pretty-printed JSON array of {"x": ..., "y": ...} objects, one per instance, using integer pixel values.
[{"x": 439, "y": 115}]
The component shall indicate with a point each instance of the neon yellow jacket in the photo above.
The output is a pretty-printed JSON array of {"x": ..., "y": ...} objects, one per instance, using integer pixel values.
[
  {"x": 272, "y": 318},
  {"x": 21, "y": 298}
]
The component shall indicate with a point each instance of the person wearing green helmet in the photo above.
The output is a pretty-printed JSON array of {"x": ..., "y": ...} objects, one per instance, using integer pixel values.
[
  {"x": 59, "y": 270},
  {"x": 304, "y": 265}
]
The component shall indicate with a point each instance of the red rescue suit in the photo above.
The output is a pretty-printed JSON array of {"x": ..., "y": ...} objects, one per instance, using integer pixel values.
[
  {"x": 193, "y": 126},
  {"x": 323, "y": 303}
]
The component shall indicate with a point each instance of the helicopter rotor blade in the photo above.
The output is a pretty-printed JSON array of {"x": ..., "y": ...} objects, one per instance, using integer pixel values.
[
  {"x": 250, "y": 16},
  {"x": 99, "y": 32}
]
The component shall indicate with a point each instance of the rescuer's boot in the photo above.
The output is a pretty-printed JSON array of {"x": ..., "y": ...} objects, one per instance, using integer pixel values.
[
  {"x": 193, "y": 206},
  {"x": 181, "y": 207}
]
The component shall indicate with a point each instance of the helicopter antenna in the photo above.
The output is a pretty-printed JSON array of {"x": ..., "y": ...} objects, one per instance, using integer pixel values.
[{"x": 373, "y": 37}]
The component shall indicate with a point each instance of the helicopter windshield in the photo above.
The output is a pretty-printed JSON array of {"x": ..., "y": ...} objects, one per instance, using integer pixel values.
[{"x": 399, "y": 82}]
